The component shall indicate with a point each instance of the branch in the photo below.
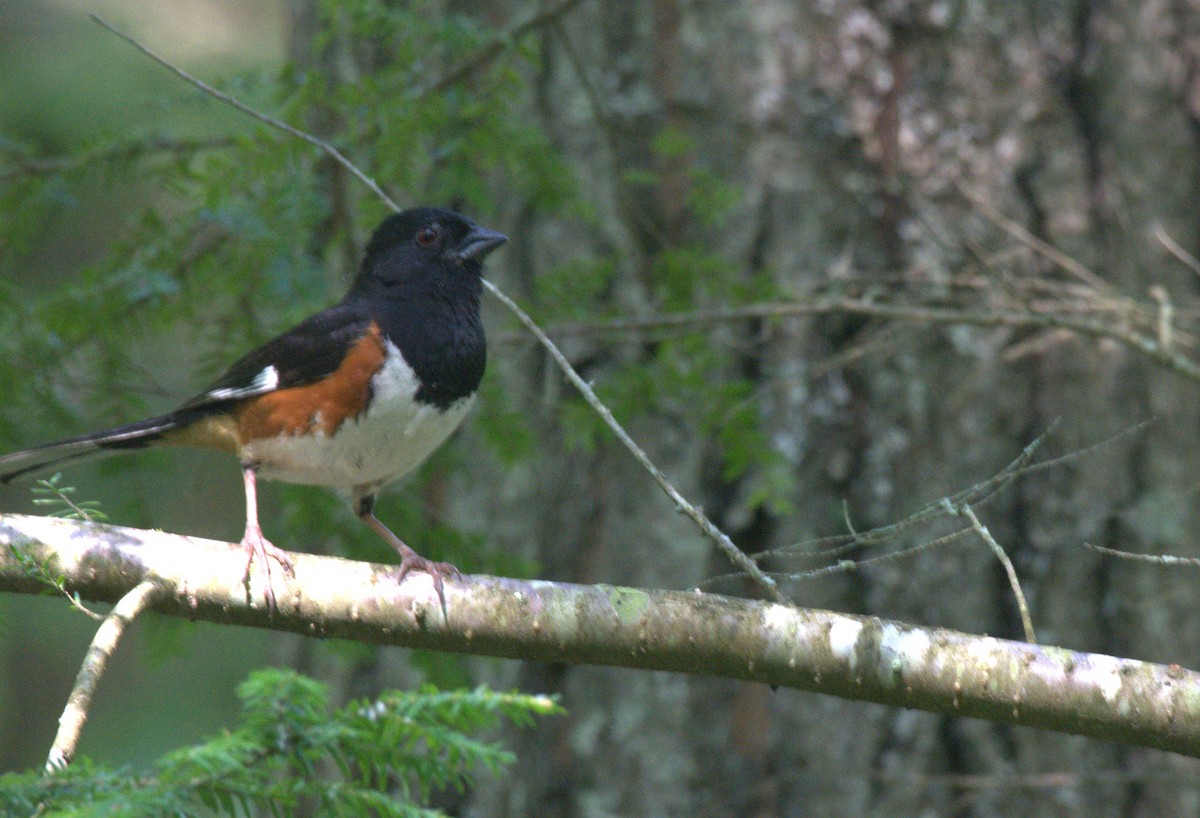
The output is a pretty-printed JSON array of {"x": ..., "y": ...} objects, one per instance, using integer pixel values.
[
  {"x": 70, "y": 724},
  {"x": 246, "y": 109},
  {"x": 26, "y": 165},
  {"x": 496, "y": 45},
  {"x": 854, "y": 657},
  {"x": 1013, "y": 583},
  {"x": 1101, "y": 327},
  {"x": 1042, "y": 248}
]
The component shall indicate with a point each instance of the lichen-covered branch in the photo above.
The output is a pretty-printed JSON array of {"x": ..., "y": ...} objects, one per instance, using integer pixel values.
[
  {"x": 70, "y": 724},
  {"x": 854, "y": 657}
]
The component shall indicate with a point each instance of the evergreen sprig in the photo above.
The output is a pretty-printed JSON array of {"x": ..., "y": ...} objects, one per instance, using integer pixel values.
[
  {"x": 56, "y": 498},
  {"x": 290, "y": 755}
]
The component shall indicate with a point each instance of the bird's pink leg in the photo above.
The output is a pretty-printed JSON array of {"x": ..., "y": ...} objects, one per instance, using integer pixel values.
[{"x": 257, "y": 546}]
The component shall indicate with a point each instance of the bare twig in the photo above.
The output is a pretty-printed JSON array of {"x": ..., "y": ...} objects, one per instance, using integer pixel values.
[
  {"x": 978, "y": 494},
  {"x": 719, "y": 537},
  {"x": 1095, "y": 780},
  {"x": 1013, "y": 582},
  {"x": 498, "y": 44},
  {"x": 246, "y": 109},
  {"x": 735, "y": 554},
  {"x": 847, "y": 566},
  {"x": 1049, "y": 251},
  {"x": 1173, "y": 247},
  {"x": 1101, "y": 327},
  {"x": 1166, "y": 317},
  {"x": 70, "y": 724},
  {"x": 1157, "y": 559},
  {"x": 835, "y": 547}
]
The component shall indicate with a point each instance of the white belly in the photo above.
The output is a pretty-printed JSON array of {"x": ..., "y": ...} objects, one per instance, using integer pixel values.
[{"x": 384, "y": 443}]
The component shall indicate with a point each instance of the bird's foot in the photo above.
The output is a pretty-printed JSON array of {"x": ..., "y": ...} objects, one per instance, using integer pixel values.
[
  {"x": 259, "y": 548},
  {"x": 439, "y": 571}
]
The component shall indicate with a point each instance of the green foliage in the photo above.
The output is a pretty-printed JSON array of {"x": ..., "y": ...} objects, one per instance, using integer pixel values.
[
  {"x": 291, "y": 755},
  {"x": 56, "y": 499},
  {"x": 576, "y": 289},
  {"x": 48, "y": 573},
  {"x": 236, "y": 236}
]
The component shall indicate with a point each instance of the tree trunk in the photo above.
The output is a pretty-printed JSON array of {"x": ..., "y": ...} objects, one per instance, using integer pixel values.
[{"x": 853, "y": 134}]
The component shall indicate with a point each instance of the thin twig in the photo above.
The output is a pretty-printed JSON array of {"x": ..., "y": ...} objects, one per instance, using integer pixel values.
[
  {"x": 70, "y": 724},
  {"x": 710, "y": 529},
  {"x": 735, "y": 554},
  {"x": 1173, "y": 247},
  {"x": 848, "y": 566},
  {"x": 1031, "y": 241},
  {"x": 977, "y": 494},
  {"x": 1013, "y": 582},
  {"x": 246, "y": 109},
  {"x": 1157, "y": 559},
  {"x": 1103, "y": 326},
  {"x": 498, "y": 43},
  {"x": 1076, "y": 454},
  {"x": 833, "y": 547},
  {"x": 1166, "y": 316}
]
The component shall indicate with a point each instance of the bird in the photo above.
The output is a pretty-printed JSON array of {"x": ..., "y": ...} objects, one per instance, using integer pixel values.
[{"x": 353, "y": 397}]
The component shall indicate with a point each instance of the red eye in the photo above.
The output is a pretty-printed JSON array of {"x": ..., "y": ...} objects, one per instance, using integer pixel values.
[{"x": 428, "y": 235}]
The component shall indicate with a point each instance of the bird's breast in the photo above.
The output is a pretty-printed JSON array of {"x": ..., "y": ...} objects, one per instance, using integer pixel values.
[{"x": 390, "y": 436}]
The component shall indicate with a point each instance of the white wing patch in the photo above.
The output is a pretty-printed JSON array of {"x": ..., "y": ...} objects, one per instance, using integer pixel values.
[{"x": 265, "y": 381}]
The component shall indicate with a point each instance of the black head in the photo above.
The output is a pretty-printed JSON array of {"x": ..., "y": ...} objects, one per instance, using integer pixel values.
[
  {"x": 420, "y": 283},
  {"x": 424, "y": 236}
]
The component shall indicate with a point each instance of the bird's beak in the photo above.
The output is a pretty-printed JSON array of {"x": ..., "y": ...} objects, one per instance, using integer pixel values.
[{"x": 478, "y": 243}]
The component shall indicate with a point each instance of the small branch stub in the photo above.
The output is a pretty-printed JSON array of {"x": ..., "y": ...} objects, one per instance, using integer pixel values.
[{"x": 70, "y": 724}]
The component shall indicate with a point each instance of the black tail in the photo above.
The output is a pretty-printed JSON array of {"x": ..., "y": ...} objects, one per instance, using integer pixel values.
[{"x": 87, "y": 447}]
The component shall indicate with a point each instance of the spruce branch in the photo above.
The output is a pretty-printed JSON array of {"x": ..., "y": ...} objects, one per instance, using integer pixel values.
[
  {"x": 57, "y": 497},
  {"x": 293, "y": 753}
]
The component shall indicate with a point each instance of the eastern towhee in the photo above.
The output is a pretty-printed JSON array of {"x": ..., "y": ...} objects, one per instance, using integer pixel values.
[{"x": 352, "y": 397}]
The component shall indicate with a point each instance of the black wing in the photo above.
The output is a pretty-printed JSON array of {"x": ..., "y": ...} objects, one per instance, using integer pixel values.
[{"x": 311, "y": 350}]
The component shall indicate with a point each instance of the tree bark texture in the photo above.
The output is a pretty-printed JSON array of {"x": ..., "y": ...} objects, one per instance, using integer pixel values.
[{"x": 851, "y": 131}]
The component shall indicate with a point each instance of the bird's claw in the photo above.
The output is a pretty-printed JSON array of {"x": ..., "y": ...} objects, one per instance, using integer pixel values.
[
  {"x": 259, "y": 548},
  {"x": 438, "y": 571}
]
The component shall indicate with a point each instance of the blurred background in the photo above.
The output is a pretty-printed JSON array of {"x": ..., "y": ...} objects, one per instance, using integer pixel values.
[{"x": 828, "y": 262}]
